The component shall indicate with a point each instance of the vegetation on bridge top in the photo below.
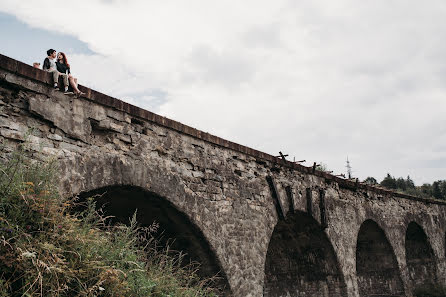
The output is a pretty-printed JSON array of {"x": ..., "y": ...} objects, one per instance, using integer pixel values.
[{"x": 407, "y": 186}]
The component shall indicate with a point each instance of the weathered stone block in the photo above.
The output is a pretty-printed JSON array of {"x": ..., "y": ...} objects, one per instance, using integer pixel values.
[
  {"x": 12, "y": 134},
  {"x": 55, "y": 137}
]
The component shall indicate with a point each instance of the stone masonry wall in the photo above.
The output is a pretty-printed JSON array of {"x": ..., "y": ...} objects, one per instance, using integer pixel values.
[{"x": 235, "y": 195}]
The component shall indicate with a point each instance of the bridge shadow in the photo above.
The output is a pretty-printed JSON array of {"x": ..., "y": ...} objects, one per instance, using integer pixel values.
[
  {"x": 419, "y": 257},
  {"x": 301, "y": 261},
  {"x": 376, "y": 265},
  {"x": 175, "y": 228}
]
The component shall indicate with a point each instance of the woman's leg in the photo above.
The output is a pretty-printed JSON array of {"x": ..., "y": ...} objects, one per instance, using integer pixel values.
[{"x": 73, "y": 83}]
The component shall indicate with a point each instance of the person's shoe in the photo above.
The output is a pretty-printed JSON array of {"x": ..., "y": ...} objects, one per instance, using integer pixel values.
[
  {"x": 56, "y": 86},
  {"x": 68, "y": 93},
  {"x": 80, "y": 94}
]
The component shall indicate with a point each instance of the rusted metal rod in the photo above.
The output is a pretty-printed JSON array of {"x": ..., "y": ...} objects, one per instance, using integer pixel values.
[{"x": 282, "y": 156}]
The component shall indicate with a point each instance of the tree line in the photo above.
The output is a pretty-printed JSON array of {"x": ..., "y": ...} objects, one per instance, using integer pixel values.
[{"x": 406, "y": 185}]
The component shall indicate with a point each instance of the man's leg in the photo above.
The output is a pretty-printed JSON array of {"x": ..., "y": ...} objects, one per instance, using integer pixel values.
[
  {"x": 65, "y": 80},
  {"x": 55, "y": 76}
]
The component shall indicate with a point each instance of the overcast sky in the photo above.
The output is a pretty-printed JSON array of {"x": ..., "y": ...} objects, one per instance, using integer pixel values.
[{"x": 318, "y": 80}]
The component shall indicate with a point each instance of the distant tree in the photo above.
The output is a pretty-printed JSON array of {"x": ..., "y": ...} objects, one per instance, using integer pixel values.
[
  {"x": 401, "y": 184},
  {"x": 413, "y": 191},
  {"x": 409, "y": 183},
  {"x": 371, "y": 181},
  {"x": 443, "y": 188},
  {"x": 389, "y": 182},
  {"x": 436, "y": 191},
  {"x": 322, "y": 167},
  {"x": 426, "y": 190}
]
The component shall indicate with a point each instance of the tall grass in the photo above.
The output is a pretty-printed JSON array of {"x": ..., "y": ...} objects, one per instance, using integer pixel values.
[{"x": 45, "y": 250}]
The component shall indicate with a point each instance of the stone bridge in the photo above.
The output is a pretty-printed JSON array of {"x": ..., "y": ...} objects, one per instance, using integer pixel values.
[{"x": 269, "y": 226}]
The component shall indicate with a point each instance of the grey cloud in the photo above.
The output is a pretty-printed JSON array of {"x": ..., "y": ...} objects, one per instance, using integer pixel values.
[
  {"x": 441, "y": 148},
  {"x": 267, "y": 36},
  {"x": 153, "y": 99},
  {"x": 220, "y": 67},
  {"x": 439, "y": 163}
]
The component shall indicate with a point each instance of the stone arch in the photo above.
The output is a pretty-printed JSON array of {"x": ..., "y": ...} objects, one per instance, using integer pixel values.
[
  {"x": 420, "y": 257},
  {"x": 175, "y": 227},
  {"x": 301, "y": 261},
  {"x": 376, "y": 265}
]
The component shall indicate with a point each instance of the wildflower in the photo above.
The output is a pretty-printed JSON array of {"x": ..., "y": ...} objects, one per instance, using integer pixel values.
[
  {"x": 29, "y": 254},
  {"x": 29, "y": 184},
  {"x": 44, "y": 193}
]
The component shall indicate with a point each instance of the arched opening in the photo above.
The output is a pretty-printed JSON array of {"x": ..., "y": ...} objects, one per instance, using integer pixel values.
[
  {"x": 419, "y": 256},
  {"x": 175, "y": 228},
  {"x": 376, "y": 266},
  {"x": 301, "y": 261}
]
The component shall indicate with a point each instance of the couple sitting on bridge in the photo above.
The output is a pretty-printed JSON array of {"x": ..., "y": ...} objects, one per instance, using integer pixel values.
[{"x": 61, "y": 68}]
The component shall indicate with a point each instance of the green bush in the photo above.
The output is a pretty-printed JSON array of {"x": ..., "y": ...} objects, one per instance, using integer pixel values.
[{"x": 45, "y": 250}]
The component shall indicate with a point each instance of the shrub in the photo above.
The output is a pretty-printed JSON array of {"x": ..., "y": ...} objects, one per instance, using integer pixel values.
[{"x": 45, "y": 250}]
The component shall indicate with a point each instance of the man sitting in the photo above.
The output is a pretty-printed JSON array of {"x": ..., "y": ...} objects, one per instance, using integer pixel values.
[{"x": 49, "y": 64}]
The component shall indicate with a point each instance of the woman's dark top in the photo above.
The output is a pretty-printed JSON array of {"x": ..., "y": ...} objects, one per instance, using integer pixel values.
[{"x": 62, "y": 68}]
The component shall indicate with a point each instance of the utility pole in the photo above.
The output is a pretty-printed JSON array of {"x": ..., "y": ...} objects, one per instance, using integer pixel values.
[{"x": 349, "y": 169}]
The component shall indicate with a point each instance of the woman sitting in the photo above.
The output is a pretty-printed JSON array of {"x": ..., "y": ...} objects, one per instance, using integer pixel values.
[{"x": 64, "y": 67}]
